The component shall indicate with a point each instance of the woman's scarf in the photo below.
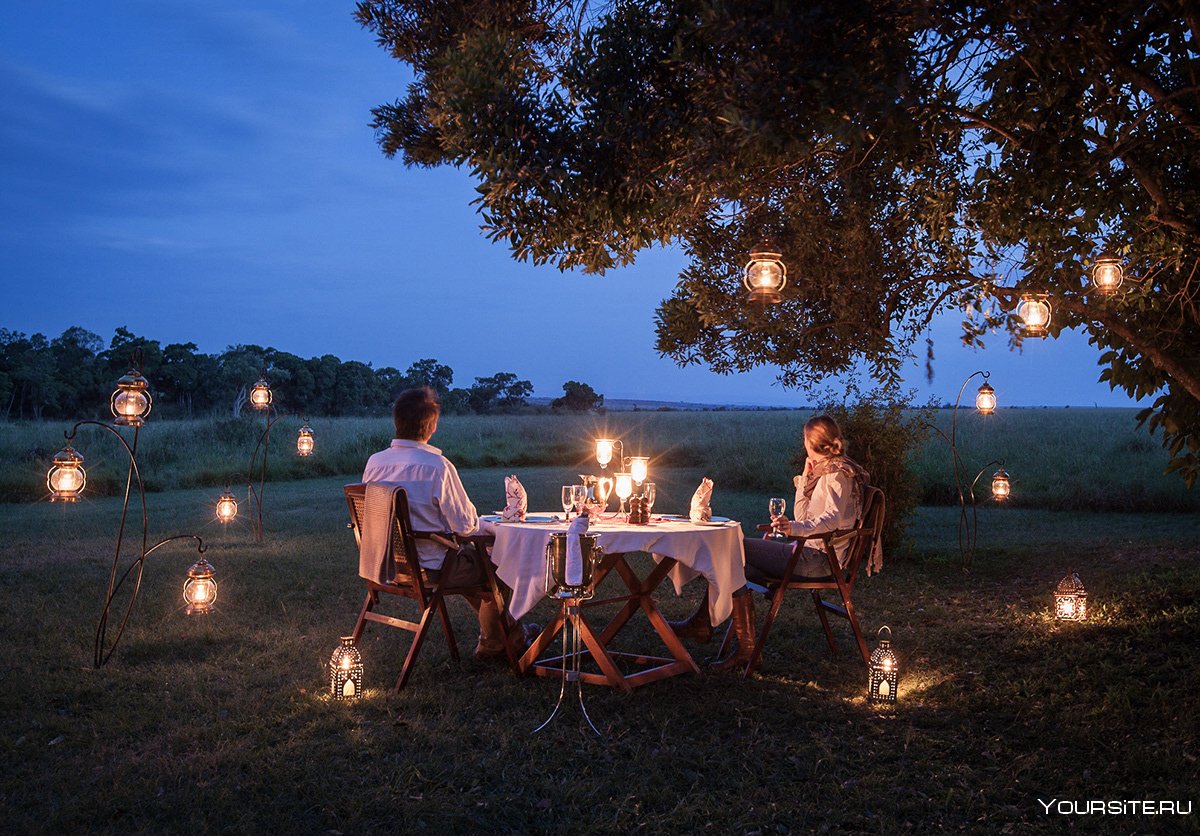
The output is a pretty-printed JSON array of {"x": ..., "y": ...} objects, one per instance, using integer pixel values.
[{"x": 814, "y": 469}]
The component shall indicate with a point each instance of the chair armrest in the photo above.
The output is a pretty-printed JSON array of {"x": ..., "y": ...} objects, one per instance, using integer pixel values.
[{"x": 442, "y": 538}]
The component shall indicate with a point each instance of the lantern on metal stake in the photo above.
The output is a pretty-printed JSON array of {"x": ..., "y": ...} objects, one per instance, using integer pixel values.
[
  {"x": 131, "y": 402},
  {"x": 346, "y": 671},
  {"x": 227, "y": 508},
  {"x": 985, "y": 400},
  {"x": 200, "y": 589},
  {"x": 1001, "y": 488},
  {"x": 66, "y": 477},
  {"x": 304, "y": 441},
  {"x": 884, "y": 671},
  {"x": 260, "y": 394},
  {"x": 1070, "y": 599}
]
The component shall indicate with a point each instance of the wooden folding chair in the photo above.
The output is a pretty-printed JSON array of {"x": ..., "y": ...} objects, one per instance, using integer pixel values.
[
  {"x": 410, "y": 582},
  {"x": 862, "y": 541}
]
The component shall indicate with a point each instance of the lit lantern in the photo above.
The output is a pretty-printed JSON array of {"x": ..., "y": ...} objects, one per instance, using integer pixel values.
[
  {"x": 346, "y": 671},
  {"x": 304, "y": 441},
  {"x": 1107, "y": 273},
  {"x": 130, "y": 403},
  {"x": 1034, "y": 311},
  {"x": 260, "y": 394},
  {"x": 1070, "y": 599},
  {"x": 985, "y": 400},
  {"x": 66, "y": 477},
  {"x": 765, "y": 275},
  {"x": 639, "y": 467},
  {"x": 1001, "y": 489},
  {"x": 884, "y": 671},
  {"x": 226, "y": 507},
  {"x": 604, "y": 450},
  {"x": 200, "y": 589}
]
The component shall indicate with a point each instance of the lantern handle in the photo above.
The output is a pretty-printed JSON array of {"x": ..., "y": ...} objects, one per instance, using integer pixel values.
[{"x": 879, "y": 634}]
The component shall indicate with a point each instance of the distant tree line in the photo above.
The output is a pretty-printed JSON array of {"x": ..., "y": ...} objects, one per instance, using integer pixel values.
[{"x": 74, "y": 374}]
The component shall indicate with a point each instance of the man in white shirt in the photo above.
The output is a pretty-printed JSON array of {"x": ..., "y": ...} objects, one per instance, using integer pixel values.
[{"x": 437, "y": 501}]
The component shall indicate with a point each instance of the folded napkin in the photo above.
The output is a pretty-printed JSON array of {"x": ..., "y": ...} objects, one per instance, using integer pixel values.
[
  {"x": 516, "y": 500},
  {"x": 702, "y": 502},
  {"x": 375, "y": 558},
  {"x": 578, "y": 526}
]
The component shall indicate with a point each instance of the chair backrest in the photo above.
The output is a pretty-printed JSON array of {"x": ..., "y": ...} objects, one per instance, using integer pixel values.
[
  {"x": 874, "y": 505},
  {"x": 404, "y": 544}
]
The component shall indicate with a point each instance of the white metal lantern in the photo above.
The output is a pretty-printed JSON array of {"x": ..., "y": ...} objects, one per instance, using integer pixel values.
[
  {"x": 346, "y": 671},
  {"x": 884, "y": 671},
  {"x": 765, "y": 275},
  {"x": 66, "y": 477},
  {"x": 1035, "y": 312},
  {"x": 131, "y": 402},
  {"x": 200, "y": 589},
  {"x": 1107, "y": 273},
  {"x": 1070, "y": 599},
  {"x": 985, "y": 400}
]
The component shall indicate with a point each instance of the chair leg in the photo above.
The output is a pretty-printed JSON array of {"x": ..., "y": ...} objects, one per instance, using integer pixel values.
[
  {"x": 858, "y": 634},
  {"x": 368, "y": 604},
  {"x": 756, "y": 653},
  {"x": 819, "y": 604},
  {"x": 447, "y": 629},
  {"x": 418, "y": 640}
]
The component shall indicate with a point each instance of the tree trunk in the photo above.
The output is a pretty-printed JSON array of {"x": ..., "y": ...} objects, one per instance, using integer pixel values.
[{"x": 239, "y": 401}]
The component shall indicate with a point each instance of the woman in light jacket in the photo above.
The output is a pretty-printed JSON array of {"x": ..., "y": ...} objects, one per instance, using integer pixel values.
[{"x": 829, "y": 497}]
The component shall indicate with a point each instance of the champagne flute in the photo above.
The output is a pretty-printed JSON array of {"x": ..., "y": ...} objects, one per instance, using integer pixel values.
[
  {"x": 776, "y": 506},
  {"x": 649, "y": 491},
  {"x": 568, "y": 499},
  {"x": 578, "y": 497}
]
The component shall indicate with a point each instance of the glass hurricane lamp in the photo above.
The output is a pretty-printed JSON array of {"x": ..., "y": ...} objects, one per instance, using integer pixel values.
[
  {"x": 66, "y": 477},
  {"x": 227, "y": 507},
  {"x": 1035, "y": 311},
  {"x": 639, "y": 467},
  {"x": 260, "y": 394},
  {"x": 131, "y": 402},
  {"x": 1001, "y": 488},
  {"x": 604, "y": 450},
  {"x": 200, "y": 588},
  {"x": 765, "y": 275},
  {"x": 985, "y": 399},
  {"x": 304, "y": 441}
]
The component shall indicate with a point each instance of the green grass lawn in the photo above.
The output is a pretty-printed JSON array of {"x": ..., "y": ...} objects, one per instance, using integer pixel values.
[{"x": 221, "y": 723}]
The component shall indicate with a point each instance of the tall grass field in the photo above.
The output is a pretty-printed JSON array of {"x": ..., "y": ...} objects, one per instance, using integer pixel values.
[{"x": 223, "y": 723}]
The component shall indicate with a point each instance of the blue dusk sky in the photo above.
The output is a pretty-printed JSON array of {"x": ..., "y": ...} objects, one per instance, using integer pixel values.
[{"x": 204, "y": 171}]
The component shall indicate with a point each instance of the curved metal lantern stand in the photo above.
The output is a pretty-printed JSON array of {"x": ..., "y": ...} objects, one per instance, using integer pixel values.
[
  {"x": 102, "y": 648},
  {"x": 255, "y": 496}
]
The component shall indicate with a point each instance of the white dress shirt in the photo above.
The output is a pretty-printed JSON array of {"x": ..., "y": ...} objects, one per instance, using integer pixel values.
[
  {"x": 835, "y": 504},
  {"x": 437, "y": 500}
]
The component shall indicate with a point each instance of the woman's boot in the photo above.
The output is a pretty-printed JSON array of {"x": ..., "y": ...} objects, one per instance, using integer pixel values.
[
  {"x": 743, "y": 631},
  {"x": 696, "y": 626}
]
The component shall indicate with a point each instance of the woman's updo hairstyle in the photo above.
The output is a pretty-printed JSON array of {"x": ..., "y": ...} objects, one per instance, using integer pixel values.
[{"x": 825, "y": 436}]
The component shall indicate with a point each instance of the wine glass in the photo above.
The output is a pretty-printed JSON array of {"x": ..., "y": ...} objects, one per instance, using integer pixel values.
[
  {"x": 568, "y": 499},
  {"x": 578, "y": 497},
  {"x": 649, "y": 491},
  {"x": 776, "y": 506}
]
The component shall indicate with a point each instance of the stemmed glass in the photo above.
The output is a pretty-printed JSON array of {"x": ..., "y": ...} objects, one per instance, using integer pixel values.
[
  {"x": 578, "y": 497},
  {"x": 776, "y": 505},
  {"x": 648, "y": 491},
  {"x": 568, "y": 499}
]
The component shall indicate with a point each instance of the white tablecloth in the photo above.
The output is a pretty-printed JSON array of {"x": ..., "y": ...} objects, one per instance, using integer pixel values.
[{"x": 714, "y": 551}]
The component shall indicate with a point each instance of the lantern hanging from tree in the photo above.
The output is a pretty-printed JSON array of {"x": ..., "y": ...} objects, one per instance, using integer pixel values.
[
  {"x": 200, "y": 588},
  {"x": 346, "y": 671},
  {"x": 1001, "y": 488},
  {"x": 1070, "y": 599},
  {"x": 985, "y": 399},
  {"x": 260, "y": 394},
  {"x": 304, "y": 441},
  {"x": 1035, "y": 311},
  {"x": 1107, "y": 273},
  {"x": 765, "y": 275},
  {"x": 66, "y": 477},
  {"x": 884, "y": 671},
  {"x": 131, "y": 402}
]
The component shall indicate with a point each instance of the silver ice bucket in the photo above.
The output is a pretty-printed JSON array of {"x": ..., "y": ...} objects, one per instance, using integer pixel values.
[{"x": 556, "y": 566}]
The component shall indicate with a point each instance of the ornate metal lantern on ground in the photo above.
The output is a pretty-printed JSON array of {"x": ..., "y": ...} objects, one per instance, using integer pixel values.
[
  {"x": 346, "y": 671},
  {"x": 1035, "y": 312},
  {"x": 765, "y": 275},
  {"x": 884, "y": 671},
  {"x": 1070, "y": 599}
]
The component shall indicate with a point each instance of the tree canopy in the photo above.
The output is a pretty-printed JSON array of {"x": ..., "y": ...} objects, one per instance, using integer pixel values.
[{"x": 905, "y": 158}]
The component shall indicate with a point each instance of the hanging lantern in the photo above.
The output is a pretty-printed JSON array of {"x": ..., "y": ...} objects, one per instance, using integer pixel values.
[
  {"x": 66, "y": 477},
  {"x": 304, "y": 441},
  {"x": 1001, "y": 489},
  {"x": 260, "y": 394},
  {"x": 1035, "y": 311},
  {"x": 226, "y": 507},
  {"x": 346, "y": 671},
  {"x": 765, "y": 275},
  {"x": 1070, "y": 599},
  {"x": 200, "y": 589},
  {"x": 1107, "y": 273},
  {"x": 130, "y": 403},
  {"x": 884, "y": 671},
  {"x": 985, "y": 400},
  {"x": 639, "y": 467},
  {"x": 604, "y": 450}
]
